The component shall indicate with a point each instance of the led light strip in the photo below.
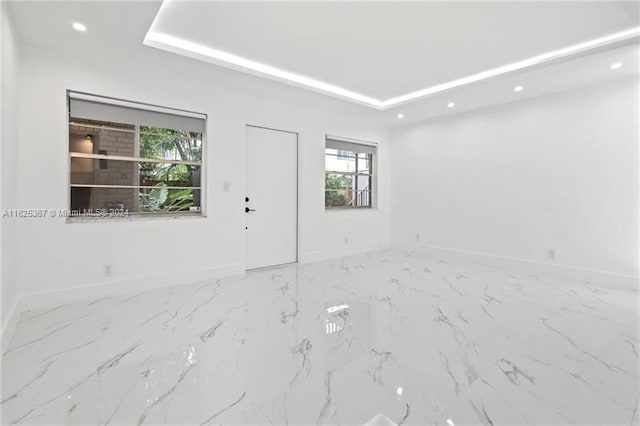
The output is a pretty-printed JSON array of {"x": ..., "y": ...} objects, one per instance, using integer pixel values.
[
  {"x": 229, "y": 60},
  {"x": 517, "y": 66},
  {"x": 207, "y": 54}
]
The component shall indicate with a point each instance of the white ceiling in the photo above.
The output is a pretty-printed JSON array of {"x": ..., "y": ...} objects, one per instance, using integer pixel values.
[
  {"x": 379, "y": 49},
  {"x": 383, "y": 50},
  {"x": 567, "y": 75},
  {"x": 114, "y": 27}
]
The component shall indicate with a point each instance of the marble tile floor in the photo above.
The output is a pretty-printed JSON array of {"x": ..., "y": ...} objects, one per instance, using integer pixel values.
[{"x": 391, "y": 337}]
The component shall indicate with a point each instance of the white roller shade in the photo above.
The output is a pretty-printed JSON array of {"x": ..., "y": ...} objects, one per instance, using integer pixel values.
[
  {"x": 358, "y": 148},
  {"x": 103, "y": 109}
]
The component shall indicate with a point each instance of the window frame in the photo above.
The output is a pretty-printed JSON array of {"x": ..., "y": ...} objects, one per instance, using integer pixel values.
[
  {"x": 372, "y": 175},
  {"x": 134, "y": 216}
]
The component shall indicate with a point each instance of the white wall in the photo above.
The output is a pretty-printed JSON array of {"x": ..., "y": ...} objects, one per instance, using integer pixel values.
[
  {"x": 557, "y": 172},
  {"x": 54, "y": 255},
  {"x": 8, "y": 156}
]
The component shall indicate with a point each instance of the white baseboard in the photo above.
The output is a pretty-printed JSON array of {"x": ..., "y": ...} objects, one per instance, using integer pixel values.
[
  {"x": 607, "y": 278},
  {"x": 9, "y": 326},
  {"x": 63, "y": 296},
  {"x": 348, "y": 250}
]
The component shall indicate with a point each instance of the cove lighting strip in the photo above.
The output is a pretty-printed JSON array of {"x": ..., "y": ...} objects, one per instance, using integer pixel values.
[{"x": 207, "y": 54}]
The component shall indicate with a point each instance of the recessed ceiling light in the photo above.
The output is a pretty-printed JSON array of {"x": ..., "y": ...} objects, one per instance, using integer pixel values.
[
  {"x": 616, "y": 65},
  {"x": 451, "y": 104},
  {"x": 518, "y": 89},
  {"x": 80, "y": 27},
  {"x": 400, "y": 116}
]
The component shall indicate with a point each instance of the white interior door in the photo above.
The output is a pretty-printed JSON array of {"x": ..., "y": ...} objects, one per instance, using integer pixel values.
[{"x": 272, "y": 192}]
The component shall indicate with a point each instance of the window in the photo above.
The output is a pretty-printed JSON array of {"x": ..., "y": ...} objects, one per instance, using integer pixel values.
[
  {"x": 349, "y": 174},
  {"x": 128, "y": 158}
]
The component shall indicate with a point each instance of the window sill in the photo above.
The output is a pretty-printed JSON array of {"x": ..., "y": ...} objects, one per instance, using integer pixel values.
[
  {"x": 349, "y": 209},
  {"x": 134, "y": 217}
]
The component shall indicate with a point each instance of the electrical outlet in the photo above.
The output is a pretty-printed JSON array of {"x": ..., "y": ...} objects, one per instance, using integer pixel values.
[
  {"x": 346, "y": 240},
  {"x": 417, "y": 236},
  {"x": 551, "y": 254},
  {"x": 107, "y": 270}
]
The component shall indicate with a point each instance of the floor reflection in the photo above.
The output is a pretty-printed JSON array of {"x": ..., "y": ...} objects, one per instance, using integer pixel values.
[{"x": 392, "y": 337}]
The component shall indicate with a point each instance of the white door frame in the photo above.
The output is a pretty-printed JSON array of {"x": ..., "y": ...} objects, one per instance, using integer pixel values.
[{"x": 297, "y": 190}]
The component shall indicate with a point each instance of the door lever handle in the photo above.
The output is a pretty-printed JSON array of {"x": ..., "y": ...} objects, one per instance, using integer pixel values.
[{"x": 247, "y": 210}]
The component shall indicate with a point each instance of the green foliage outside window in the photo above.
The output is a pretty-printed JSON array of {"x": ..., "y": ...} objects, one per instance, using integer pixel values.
[
  {"x": 158, "y": 143},
  {"x": 336, "y": 188}
]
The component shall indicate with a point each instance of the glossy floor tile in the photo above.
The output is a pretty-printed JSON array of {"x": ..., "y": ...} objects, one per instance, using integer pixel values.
[{"x": 391, "y": 337}]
